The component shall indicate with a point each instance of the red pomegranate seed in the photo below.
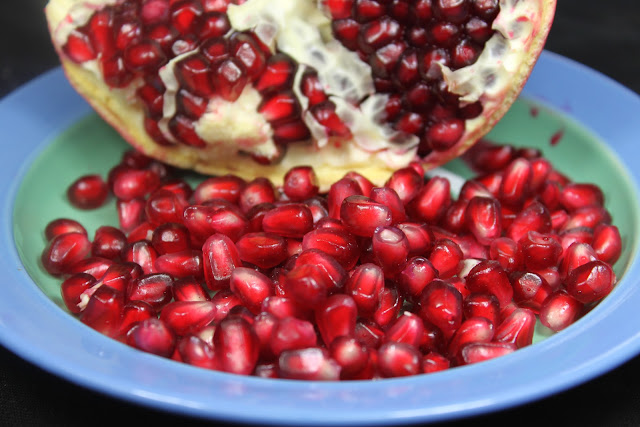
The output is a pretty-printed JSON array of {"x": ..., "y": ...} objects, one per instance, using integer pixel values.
[
  {"x": 103, "y": 311},
  {"x": 144, "y": 231},
  {"x": 331, "y": 269},
  {"x": 134, "y": 312},
  {"x": 189, "y": 289},
  {"x": 350, "y": 354},
  {"x": 406, "y": 182},
  {"x": 258, "y": 191},
  {"x": 479, "y": 352},
  {"x": 300, "y": 183},
  {"x": 575, "y": 235},
  {"x": 432, "y": 201},
  {"x": 363, "y": 182},
  {"x": 482, "y": 305},
  {"x": 130, "y": 213},
  {"x": 308, "y": 364},
  {"x": 419, "y": 235},
  {"x": 307, "y": 285},
  {"x": 65, "y": 250},
  {"x": 489, "y": 276},
  {"x": 142, "y": 253},
  {"x": 289, "y": 220},
  {"x": 559, "y": 311},
  {"x": 196, "y": 352},
  {"x": 540, "y": 250},
  {"x": 576, "y": 255},
  {"x": 164, "y": 206},
  {"x": 591, "y": 282},
  {"x": 246, "y": 50},
  {"x": 108, "y": 242},
  {"x": 282, "y": 307},
  {"x": 251, "y": 286},
  {"x": 95, "y": 266},
  {"x": 529, "y": 290},
  {"x": 292, "y": 334},
  {"x": 441, "y": 304},
  {"x": 135, "y": 183},
  {"x": 73, "y": 287},
  {"x": 578, "y": 195},
  {"x": 390, "y": 249},
  {"x": 213, "y": 24},
  {"x": 473, "y": 188},
  {"x": 507, "y": 253},
  {"x": 398, "y": 360},
  {"x": 417, "y": 273},
  {"x": 152, "y": 336},
  {"x": 362, "y": 216},
  {"x": 434, "y": 362},
  {"x": 389, "y": 198},
  {"x": 389, "y": 307},
  {"x": 170, "y": 237},
  {"x": 515, "y": 186},
  {"x": 231, "y": 78},
  {"x": 365, "y": 285},
  {"x": 154, "y": 289},
  {"x": 335, "y": 317},
  {"x": 517, "y": 328},
  {"x": 446, "y": 256},
  {"x": 61, "y": 226},
  {"x": 236, "y": 346},
  {"x": 338, "y": 192},
  {"x": 407, "y": 328},
  {"x": 587, "y": 216},
  {"x": 483, "y": 219},
  {"x": 265, "y": 250},
  {"x": 534, "y": 217},
  {"x": 188, "y": 317},
  {"x": 187, "y": 263},
  {"x": 88, "y": 192},
  {"x": 472, "y": 330},
  {"x": 607, "y": 243},
  {"x": 340, "y": 245},
  {"x": 220, "y": 257},
  {"x": 227, "y": 187}
]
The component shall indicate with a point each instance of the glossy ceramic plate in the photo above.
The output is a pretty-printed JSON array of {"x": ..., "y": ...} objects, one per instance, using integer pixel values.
[{"x": 585, "y": 123}]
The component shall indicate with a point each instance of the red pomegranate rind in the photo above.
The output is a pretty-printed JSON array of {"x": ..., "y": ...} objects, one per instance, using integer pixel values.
[{"x": 416, "y": 93}]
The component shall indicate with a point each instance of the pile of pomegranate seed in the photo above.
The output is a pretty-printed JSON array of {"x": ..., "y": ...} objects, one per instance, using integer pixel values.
[{"x": 364, "y": 282}]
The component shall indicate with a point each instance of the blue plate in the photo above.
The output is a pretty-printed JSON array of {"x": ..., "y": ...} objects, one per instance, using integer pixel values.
[{"x": 34, "y": 326}]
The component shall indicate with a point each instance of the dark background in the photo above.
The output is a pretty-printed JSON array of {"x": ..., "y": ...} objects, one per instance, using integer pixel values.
[{"x": 602, "y": 35}]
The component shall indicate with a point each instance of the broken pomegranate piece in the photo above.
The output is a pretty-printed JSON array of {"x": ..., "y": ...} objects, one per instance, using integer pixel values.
[{"x": 256, "y": 87}]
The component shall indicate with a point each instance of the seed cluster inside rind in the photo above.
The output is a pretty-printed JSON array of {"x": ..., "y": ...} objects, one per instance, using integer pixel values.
[
  {"x": 228, "y": 82},
  {"x": 280, "y": 280}
]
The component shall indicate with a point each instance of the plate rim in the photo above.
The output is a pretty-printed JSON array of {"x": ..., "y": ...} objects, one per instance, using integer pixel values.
[{"x": 124, "y": 389}]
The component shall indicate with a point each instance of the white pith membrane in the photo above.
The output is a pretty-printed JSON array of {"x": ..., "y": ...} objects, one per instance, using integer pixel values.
[{"x": 234, "y": 130}]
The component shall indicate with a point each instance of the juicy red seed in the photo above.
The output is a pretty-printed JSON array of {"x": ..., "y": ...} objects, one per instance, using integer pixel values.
[
  {"x": 534, "y": 217},
  {"x": 213, "y": 24},
  {"x": 325, "y": 114},
  {"x": 265, "y": 250},
  {"x": 134, "y": 313},
  {"x": 434, "y": 362},
  {"x": 311, "y": 363},
  {"x": 479, "y": 352},
  {"x": 292, "y": 334},
  {"x": 390, "y": 249},
  {"x": 311, "y": 87},
  {"x": 365, "y": 286},
  {"x": 227, "y": 187},
  {"x": 103, "y": 311},
  {"x": 607, "y": 243},
  {"x": 591, "y": 282},
  {"x": 73, "y": 287},
  {"x": 220, "y": 258},
  {"x": 194, "y": 351},
  {"x": 78, "y": 47},
  {"x": 340, "y": 245},
  {"x": 61, "y": 226},
  {"x": 472, "y": 330},
  {"x": 489, "y": 276},
  {"x": 406, "y": 182},
  {"x": 446, "y": 256},
  {"x": 300, "y": 183},
  {"x": 483, "y": 219},
  {"x": 540, "y": 250},
  {"x": 482, "y": 305},
  {"x": 65, "y": 250},
  {"x": 134, "y": 184},
  {"x": 170, "y": 237},
  {"x": 432, "y": 201},
  {"x": 338, "y": 8},
  {"x": 108, "y": 242},
  {"x": 587, "y": 216},
  {"x": 186, "y": 263},
  {"x": 144, "y": 231},
  {"x": 350, "y": 354},
  {"x": 507, "y": 253},
  {"x": 152, "y": 336},
  {"x": 362, "y": 216},
  {"x": 559, "y": 311},
  {"x": 141, "y": 253},
  {"x": 88, "y": 192},
  {"x": 516, "y": 181},
  {"x": 398, "y": 360},
  {"x": 236, "y": 346},
  {"x": 189, "y": 289},
  {"x": 258, "y": 191},
  {"x": 517, "y": 328},
  {"x": 420, "y": 237},
  {"x": 95, "y": 266},
  {"x": 231, "y": 78},
  {"x": 246, "y": 50},
  {"x": 155, "y": 289},
  {"x": 576, "y": 255},
  {"x": 530, "y": 290},
  {"x": 576, "y": 195},
  {"x": 408, "y": 329},
  {"x": 576, "y": 235},
  {"x": 443, "y": 135},
  {"x": 290, "y": 220},
  {"x": 188, "y": 317},
  {"x": 251, "y": 286},
  {"x": 416, "y": 275},
  {"x": 144, "y": 56},
  {"x": 185, "y": 15},
  {"x": 441, "y": 304},
  {"x": 389, "y": 307},
  {"x": 336, "y": 316}
]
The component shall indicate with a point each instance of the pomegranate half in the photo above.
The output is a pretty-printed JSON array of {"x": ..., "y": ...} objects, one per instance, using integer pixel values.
[{"x": 255, "y": 87}]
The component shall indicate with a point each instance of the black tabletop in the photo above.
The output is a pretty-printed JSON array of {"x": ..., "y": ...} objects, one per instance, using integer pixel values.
[{"x": 602, "y": 35}]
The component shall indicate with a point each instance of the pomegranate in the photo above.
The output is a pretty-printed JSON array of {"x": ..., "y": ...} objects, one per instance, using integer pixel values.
[
  {"x": 254, "y": 88},
  {"x": 251, "y": 278}
]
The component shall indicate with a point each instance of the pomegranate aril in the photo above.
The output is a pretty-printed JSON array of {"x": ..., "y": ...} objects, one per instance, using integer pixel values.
[
  {"x": 325, "y": 114},
  {"x": 103, "y": 312},
  {"x": 145, "y": 55},
  {"x": 289, "y": 220},
  {"x": 441, "y": 304},
  {"x": 446, "y": 256},
  {"x": 539, "y": 250},
  {"x": 220, "y": 257},
  {"x": 336, "y": 316},
  {"x": 312, "y": 363},
  {"x": 472, "y": 330},
  {"x": 61, "y": 226},
  {"x": 350, "y": 354},
  {"x": 194, "y": 351},
  {"x": 366, "y": 186},
  {"x": 534, "y": 217},
  {"x": 265, "y": 250},
  {"x": 489, "y": 276},
  {"x": 587, "y": 216},
  {"x": 292, "y": 334},
  {"x": 170, "y": 237},
  {"x": 251, "y": 286},
  {"x": 213, "y": 24},
  {"x": 108, "y": 242},
  {"x": 155, "y": 289},
  {"x": 607, "y": 243},
  {"x": 338, "y": 192},
  {"x": 576, "y": 255},
  {"x": 529, "y": 290},
  {"x": 483, "y": 219},
  {"x": 95, "y": 266},
  {"x": 559, "y": 311},
  {"x": 133, "y": 313},
  {"x": 591, "y": 282},
  {"x": 246, "y": 50},
  {"x": 434, "y": 362},
  {"x": 517, "y": 328},
  {"x": 479, "y": 352},
  {"x": 186, "y": 263},
  {"x": 485, "y": 305},
  {"x": 73, "y": 287},
  {"x": 227, "y": 187},
  {"x": 307, "y": 285},
  {"x": 300, "y": 183},
  {"x": 142, "y": 253},
  {"x": 407, "y": 328},
  {"x": 152, "y": 336},
  {"x": 432, "y": 201},
  {"x": 231, "y": 78},
  {"x": 190, "y": 289},
  {"x": 88, "y": 192},
  {"x": 361, "y": 215},
  {"x": 389, "y": 307},
  {"x": 65, "y": 250},
  {"x": 577, "y": 195},
  {"x": 258, "y": 191},
  {"x": 188, "y": 317},
  {"x": 341, "y": 245},
  {"x": 417, "y": 273},
  {"x": 236, "y": 346},
  {"x": 398, "y": 360}
]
